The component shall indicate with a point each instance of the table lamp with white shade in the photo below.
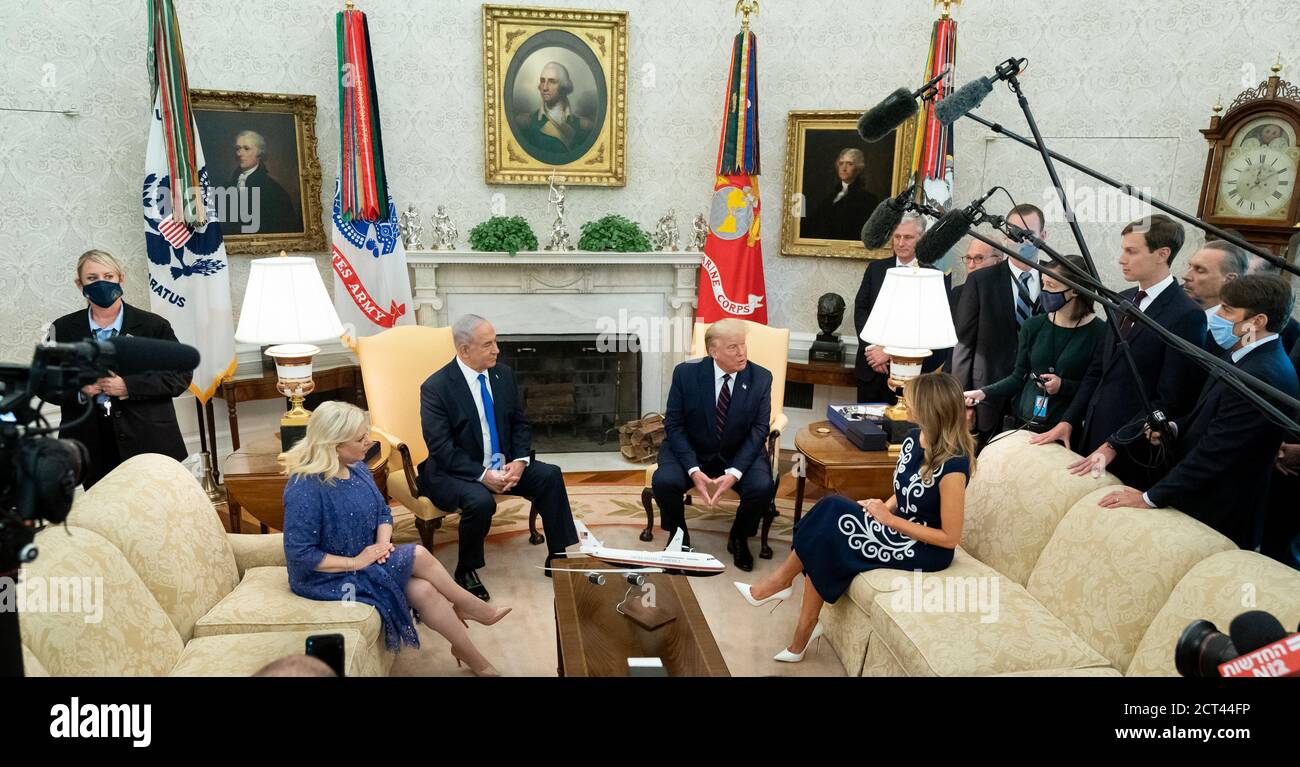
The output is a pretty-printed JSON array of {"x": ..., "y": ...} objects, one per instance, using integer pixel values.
[
  {"x": 910, "y": 319},
  {"x": 285, "y": 303}
]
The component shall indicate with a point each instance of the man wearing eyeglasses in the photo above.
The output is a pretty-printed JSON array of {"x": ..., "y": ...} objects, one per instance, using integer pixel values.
[{"x": 979, "y": 255}]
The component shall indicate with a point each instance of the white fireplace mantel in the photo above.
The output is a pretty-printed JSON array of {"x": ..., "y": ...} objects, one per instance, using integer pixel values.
[{"x": 651, "y": 295}]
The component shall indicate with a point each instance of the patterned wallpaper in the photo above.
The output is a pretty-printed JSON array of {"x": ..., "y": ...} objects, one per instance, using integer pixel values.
[{"x": 1121, "y": 84}]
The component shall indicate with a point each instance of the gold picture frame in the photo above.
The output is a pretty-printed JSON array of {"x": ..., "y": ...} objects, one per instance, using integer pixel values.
[
  {"x": 810, "y": 226},
  {"x": 289, "y": 191},
  {"x": 522, "y": 144}
]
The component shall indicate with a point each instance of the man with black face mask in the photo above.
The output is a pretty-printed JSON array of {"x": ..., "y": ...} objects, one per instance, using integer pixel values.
[{"x": 133, "y": 414}]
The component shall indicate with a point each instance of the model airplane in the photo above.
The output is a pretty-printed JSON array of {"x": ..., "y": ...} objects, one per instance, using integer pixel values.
[{"x": 674, "y": 560}]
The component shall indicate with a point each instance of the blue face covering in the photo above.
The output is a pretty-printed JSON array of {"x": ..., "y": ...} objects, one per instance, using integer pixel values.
[
  {"x": 1052, "y": 301},
  {"x": 1029, "y": 252},
  {"x": 1221, "y": 330},
  {"x": 102, "y": 293}
]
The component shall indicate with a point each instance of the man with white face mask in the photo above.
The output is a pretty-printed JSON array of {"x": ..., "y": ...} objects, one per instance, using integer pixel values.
[{"x": 994, "y": 303}]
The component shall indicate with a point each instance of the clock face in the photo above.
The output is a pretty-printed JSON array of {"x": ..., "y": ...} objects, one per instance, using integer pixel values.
[{"x": 1258, "y": 177}]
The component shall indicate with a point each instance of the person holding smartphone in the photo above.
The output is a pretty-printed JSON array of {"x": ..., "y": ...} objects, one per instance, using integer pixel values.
[
  {"x": 1053, "y": 353},
  {"x": 337, "y": 542}
]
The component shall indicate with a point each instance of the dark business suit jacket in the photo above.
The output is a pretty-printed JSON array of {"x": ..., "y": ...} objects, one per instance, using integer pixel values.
[
  {"x": 1225, "y": 450},
  {"x": 691, "y": 439},
  {"x": 1108, "y": 396},
  {"x": 987, "y": 334},
  {"x": 841, "y": 220},
  {"x": 453, "y": 433},
  {"x": 872, "y": 279},
  {"x": 144, "y": 422}
]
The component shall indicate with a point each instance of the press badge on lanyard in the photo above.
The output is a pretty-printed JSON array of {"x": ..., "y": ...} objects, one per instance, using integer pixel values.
[{"x": 1040, "y": 406}]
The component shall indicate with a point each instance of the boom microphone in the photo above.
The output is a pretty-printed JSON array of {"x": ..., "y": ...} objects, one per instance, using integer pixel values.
[
  {"x": 124, "y": 355},
  {"x": 894, "y": 110},
  {"x": 951, "y": 228},
  {"x": 971, "y": 95},
  {"x": 885, "y": 219}
]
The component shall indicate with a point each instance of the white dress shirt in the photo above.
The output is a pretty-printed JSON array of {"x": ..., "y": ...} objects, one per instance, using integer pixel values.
[
  {"x": 844, "y": 189},
  {"x": 245, "y": 174},
  {"x": 1034, "y": 286},
  {"x": 471, "y": 378},
  {"x": 1154, "y": 292},
  {"x": 718, "y": 374}
]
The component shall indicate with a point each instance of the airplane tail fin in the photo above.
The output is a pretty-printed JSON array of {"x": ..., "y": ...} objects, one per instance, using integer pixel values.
[
  {"x": 676, "y": 543},
  {"x": 586, "y": 541}
]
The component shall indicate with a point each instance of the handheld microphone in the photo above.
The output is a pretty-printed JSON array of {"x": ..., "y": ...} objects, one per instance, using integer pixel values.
[
  {"x": 1254, "y": 629},
  {"x": 952, "y": 227},
  {"x": 124, "y": 355},
  {"x": 971, "y": 95},
  {"x": 885, "y": 219},
  {"x": 894, "y": 110},
  {"x": 1276, "y": 659}
]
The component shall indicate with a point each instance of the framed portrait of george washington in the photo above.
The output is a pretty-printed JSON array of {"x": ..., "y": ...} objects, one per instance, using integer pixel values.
[
  {"x": 260, "y": 150},
  {"x": 554, "y": 95},
  {"x": 834, "y": 180}
]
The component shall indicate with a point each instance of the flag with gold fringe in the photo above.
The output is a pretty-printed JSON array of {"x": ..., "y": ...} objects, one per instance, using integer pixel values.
[
  {"x": 189, "y": 284},
  {"x": 731, "y": 270},
  {"x": 371, "y": 288},
  {"x": 932, "y": 156}
]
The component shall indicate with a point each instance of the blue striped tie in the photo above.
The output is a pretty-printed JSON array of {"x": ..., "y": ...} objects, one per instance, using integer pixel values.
[
  {"x": 489, "y": 414},
  {"x": 1024, "y": 303}
]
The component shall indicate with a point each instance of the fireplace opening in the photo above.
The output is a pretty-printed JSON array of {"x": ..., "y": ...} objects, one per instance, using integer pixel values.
[{"x": 576, "y": 389}]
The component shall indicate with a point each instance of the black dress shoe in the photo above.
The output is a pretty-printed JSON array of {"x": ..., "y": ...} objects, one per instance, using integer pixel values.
[
  {"x": 743, "y": 558},
  {"x": 468, "y": 580}
]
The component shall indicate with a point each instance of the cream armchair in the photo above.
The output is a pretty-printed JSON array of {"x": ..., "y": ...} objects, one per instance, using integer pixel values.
[
  {"x": 770, "y": 348},
  {"x": 394, "y": 364}
]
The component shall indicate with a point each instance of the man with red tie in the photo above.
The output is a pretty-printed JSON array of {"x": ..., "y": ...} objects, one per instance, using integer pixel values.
[{"x": 717, "y": 424}]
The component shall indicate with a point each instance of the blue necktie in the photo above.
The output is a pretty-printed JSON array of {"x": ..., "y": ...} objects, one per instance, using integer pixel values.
[
  {"x": 104, "y": 334},
  {"x": 1024, "y": 303},
  {"x": 489, "y": 412}
]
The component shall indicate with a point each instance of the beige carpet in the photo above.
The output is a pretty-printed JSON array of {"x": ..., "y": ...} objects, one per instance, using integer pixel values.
[{"x": 523, "y": 644}]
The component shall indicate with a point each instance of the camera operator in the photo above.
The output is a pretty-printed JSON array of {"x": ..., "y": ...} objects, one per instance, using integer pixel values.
[
  {"x": 1225, "y": 446},
  {"x": 133, "y": 414}
]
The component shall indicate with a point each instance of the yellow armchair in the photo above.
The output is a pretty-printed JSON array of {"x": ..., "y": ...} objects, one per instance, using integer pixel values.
[
  {"x": 770, "y": 348},
  {"x": 394, "y": 364}
]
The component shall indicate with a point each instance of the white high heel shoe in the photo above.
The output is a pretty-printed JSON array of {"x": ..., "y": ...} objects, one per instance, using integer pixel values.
[
  {"x": 785, "y": 656},
  {"x": 746, "y": 591}
]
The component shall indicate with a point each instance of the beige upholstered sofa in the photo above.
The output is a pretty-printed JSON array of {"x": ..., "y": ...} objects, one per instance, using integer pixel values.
[
  {"x": 1077, "y": 589},
  {"x": 179, "y": 595}
]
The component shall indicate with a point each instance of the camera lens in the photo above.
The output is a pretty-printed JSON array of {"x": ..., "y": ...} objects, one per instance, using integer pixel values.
[{"x": 1201, "y": 649}]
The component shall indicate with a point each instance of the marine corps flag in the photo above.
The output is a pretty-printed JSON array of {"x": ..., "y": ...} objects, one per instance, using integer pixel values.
[
  {"x": 731, "y": 272},
  {"x": 371, "y": 287}
]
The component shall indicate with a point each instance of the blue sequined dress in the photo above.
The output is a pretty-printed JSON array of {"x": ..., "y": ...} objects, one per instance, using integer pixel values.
[
  {"x": 835, "y": 541},
  {"x": 342, "y": 519}
]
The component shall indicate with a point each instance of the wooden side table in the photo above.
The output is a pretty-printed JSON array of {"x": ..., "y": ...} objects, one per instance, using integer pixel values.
[
  {"x": 254, "y": 481},
  {"x": 821, "y": 373},
  {"x": 836, "y": 464}
]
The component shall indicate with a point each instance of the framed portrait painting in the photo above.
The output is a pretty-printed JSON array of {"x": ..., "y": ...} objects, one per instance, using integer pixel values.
[
  {"x": 260, "y": 150},
  {"x": 834, "y": 180},
  {"x": 554, "y": 95}
]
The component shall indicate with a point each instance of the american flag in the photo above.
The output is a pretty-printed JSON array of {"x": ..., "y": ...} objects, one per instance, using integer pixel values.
[{"x": 175, "y": 232}]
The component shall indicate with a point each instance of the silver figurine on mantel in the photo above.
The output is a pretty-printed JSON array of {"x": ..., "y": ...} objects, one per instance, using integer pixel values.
[
  {"x": 444, "y": 231},
  {"x": 666, "y": 235},
  {"x": 411, "y": 228},
  {"x": 699, "y": 233},
  {"x": 559, "y": 230}
]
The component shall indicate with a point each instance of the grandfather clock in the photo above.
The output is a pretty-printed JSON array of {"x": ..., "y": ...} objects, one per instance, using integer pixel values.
[{"x": 1250, "y": 174}]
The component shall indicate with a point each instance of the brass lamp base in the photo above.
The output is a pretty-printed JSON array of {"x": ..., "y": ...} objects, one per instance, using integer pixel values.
[
  {"x": 293, "y": 366},
  {"x": 903, "y": 368}
]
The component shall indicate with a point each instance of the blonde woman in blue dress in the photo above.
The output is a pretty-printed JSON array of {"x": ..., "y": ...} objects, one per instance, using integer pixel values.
[{"x": 917, "y": 528}]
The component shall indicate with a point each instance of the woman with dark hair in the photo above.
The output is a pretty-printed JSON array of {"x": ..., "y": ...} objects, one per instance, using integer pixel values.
[
  {"x": 917, "y": 528},
  {"x": 1053, "y": 354}
]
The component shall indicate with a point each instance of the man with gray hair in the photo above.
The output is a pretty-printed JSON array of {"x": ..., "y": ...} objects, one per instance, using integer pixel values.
[
  {"x": 554, "y": 130},
  {"x": 272, "y": 210},
  {"x": 480, "y": 445},
  {"x": 716, "y": 425},
  {"x": 841, "y": 212}
]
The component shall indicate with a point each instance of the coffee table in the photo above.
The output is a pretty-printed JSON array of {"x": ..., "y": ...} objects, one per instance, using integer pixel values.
[
  {"x": 836, "y": 464},
  {"x": 593, "y": 639}
]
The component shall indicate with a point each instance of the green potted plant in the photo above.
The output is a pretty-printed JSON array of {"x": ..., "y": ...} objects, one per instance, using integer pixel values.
[
  {"x": 614, "y": 233},
  {"x": 509, "y": 234}
]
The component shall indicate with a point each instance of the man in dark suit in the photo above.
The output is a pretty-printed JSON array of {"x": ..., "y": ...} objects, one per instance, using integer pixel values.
[
  {"x": 480, "y": 444},
  {"x": 979, "y": 255},
  {"x": 274, "y": 211},
  {"x": 1282, "y": 517},
  {"x": 872, "y": 364},
  {"x": 131, "y": 414},
  {"x": 841, "y": 213},
  {"x": 1108, "y": 398},
  {"x": 717, "y": 422},
  {"x": 995, "y": 302},
  {"x": 1225, "y": 446}
]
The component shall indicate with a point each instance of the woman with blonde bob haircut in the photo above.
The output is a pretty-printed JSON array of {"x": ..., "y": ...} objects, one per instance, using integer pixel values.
[
  {"x": 337, "y": 531},
  {"x": 916, "y": 529}
]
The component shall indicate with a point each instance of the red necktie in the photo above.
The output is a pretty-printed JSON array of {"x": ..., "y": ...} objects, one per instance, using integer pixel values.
[
  {"x": 724, "y": 401},
  {"x": 1126, "y": 324}
]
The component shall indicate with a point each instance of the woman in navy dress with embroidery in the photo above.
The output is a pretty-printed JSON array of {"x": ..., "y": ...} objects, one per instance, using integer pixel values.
[
  {"x": 915, "y": 529},
  {"x": 336, "y": 541}
]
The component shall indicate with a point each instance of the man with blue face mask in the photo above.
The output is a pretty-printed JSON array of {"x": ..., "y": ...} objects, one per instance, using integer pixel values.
[
  {"x": 1225, "y": 446},
  {"x": 994, "y": 303},
  {"x": 131, "y": 414}
]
